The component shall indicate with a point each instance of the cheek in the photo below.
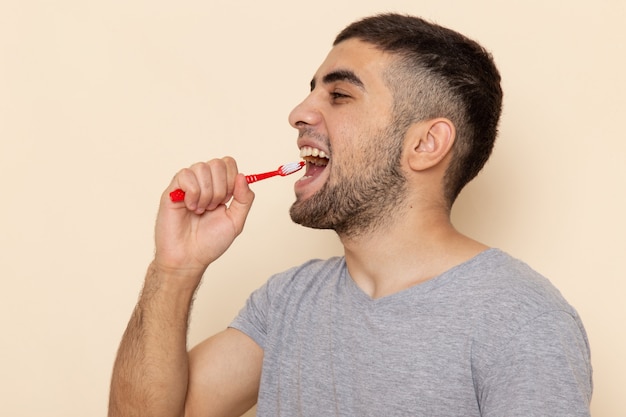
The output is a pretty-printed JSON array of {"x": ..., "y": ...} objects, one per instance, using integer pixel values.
[{"x": 356, "y": 138}]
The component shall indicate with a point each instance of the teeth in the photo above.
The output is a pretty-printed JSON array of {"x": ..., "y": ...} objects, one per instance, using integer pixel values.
[{"x": 309, "y": 151}]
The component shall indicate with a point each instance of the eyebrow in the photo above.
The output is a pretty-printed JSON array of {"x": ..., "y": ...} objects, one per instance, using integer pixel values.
[{"x": 340, "y": 75}]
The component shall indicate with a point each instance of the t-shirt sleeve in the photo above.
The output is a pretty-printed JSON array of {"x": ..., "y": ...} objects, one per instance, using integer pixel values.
[
  {"x": 265, "y": 306},
  {"x": 252, "y": 318},
  {"x": 544, "y": 370}
]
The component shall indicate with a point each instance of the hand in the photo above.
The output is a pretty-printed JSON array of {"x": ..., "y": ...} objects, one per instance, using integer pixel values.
[{"x": 193, "y": 233}]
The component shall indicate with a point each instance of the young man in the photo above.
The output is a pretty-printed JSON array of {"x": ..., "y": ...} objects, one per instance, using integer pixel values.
[{"x": 415, "y": 319}]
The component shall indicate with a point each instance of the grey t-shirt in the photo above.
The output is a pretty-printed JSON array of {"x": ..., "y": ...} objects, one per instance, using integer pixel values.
[{"x": 490, "y": 337}]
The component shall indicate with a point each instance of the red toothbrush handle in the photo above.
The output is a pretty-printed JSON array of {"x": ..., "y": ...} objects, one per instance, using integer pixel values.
[
  {"x": 258, "y": 177},
  {"x": 178, "y": 195}
]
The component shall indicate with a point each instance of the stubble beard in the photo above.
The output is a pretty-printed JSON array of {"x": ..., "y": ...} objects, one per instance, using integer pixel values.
[{"x": 360, "y": 202}]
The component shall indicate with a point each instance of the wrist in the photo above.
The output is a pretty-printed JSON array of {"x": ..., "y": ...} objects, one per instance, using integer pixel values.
[{"x": 174, "y": 278}]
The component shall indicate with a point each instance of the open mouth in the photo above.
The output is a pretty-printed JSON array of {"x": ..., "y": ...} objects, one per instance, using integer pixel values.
[
  {"x": 316, "y": 160},
  {"x": 314, "y": 156}
]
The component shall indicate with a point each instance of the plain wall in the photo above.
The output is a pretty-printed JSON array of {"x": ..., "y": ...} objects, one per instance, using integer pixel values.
[{"x": 101, "y": 102}]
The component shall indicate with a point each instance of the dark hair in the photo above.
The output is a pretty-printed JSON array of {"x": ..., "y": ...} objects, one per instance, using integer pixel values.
[{"x": 440, "y": 73}]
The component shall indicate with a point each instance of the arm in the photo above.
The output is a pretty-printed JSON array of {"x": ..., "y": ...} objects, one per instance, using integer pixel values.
[{"x": 153, "y": 373}]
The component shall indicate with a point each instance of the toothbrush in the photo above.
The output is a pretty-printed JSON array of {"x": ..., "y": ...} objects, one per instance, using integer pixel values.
[{"x": 283, "y": 170}]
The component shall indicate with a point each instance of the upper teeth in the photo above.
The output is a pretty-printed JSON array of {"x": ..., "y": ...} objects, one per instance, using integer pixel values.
[{"x": 309, "y": 151}]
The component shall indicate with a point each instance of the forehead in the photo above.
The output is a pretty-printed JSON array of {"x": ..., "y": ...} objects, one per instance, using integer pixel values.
[{"x": 363, "y": 59}]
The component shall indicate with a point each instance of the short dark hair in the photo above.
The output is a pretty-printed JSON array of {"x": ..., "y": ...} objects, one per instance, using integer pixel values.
[{"x": 440, "y": 73}]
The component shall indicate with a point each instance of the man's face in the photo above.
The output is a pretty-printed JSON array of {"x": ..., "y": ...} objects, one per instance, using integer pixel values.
[{"x": 347, "y": 136}]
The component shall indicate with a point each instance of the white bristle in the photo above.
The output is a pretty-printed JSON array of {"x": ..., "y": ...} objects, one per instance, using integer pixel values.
[{"x": 290, "y": 168}]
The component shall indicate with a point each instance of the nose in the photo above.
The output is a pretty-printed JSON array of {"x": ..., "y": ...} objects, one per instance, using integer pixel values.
[{"x": 305, "y": 113}]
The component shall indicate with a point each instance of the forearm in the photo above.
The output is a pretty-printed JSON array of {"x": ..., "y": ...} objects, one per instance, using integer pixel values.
[
  {"x": 150, "y": 375},
  {"x": 151, "y": 372}
]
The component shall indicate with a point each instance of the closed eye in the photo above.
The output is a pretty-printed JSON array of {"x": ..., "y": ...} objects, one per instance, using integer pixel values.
[{"x": 338, "y": 96}]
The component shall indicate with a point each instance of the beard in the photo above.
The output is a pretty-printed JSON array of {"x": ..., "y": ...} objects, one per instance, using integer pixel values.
[{"x": 363, "y": 199}]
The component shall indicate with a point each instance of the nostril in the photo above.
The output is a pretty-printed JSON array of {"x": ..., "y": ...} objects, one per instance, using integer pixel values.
[
  {"x": 294, "y": 119},
  {"x": 305, "y": 114}
]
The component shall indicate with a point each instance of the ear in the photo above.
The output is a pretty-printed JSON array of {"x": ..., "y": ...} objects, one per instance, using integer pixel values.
[{"x": 429, "y": 142}]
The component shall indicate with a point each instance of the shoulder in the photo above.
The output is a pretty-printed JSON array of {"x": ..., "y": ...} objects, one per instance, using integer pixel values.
[
  {"x": 303, "y": 278},
  {"x": 283, "y": 294},
  {"x": 526, "y": 338},
  {"x": 506, "y": 285},
  {"x": 509, "y": 299},
  {"x": 299, "y": 281}
]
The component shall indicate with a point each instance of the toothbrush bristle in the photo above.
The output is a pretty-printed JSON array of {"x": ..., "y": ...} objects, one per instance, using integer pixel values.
[{"x": 291, "y": 167}]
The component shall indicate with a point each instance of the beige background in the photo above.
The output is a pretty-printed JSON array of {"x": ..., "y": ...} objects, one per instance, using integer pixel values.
[{"x": 101, "y": 102}]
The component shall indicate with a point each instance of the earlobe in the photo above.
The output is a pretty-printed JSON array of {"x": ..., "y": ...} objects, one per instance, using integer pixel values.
[{"x": 430, "y": 142}]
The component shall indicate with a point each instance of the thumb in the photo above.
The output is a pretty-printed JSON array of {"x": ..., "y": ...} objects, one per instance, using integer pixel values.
[{"x": 239, "y": 207}]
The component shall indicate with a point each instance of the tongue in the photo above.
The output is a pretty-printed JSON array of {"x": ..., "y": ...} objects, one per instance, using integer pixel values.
[{"x": 313, "y": 170}]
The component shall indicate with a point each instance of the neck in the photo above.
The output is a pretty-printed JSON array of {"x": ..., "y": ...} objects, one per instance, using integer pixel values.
[{"x": 416, "y": 246}]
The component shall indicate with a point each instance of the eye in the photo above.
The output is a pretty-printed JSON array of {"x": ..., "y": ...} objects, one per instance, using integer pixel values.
[{"x": 337, "y": 95}]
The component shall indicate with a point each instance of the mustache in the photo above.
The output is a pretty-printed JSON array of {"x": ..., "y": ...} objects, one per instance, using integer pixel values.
[{"x": 310, "y": 132}]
